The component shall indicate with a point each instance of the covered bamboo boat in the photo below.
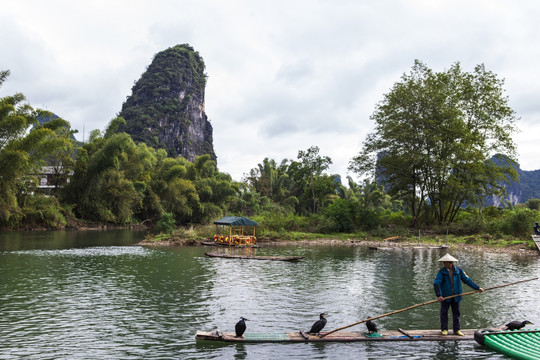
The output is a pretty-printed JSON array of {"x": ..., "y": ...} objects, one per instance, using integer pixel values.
[
  {"x": 253, "y": 257},
  {"x": 221, "y": 244},
  {"x": 235, "y": 231},
  {"x": 518, "y": 344},
  {"x": 342, "y": 336}
]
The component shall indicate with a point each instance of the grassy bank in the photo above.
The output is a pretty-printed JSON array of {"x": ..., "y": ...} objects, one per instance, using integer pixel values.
[{"x": 193, "y": 235}]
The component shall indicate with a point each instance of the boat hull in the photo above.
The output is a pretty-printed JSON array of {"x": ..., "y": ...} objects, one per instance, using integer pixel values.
[
  {"x": 254, "y": 257},
  {"x": 518, "y": 344}
]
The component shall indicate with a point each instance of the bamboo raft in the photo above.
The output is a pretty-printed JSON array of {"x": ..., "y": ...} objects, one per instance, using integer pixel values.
[
  {"x": 536, "y": 239},
  {"x": 343, "y": 336},
  {"x": 253, "y": 257}
]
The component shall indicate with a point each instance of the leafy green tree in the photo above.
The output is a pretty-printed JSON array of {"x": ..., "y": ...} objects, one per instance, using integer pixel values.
[
  {"x": 341, "y": 213},
  {"x": 24, "y": 147},
  {"x": 324, "y": 187},
  {"x": 247, "y": 201},
  {"x": 193, "y": 192},
  {"x": 369, "y": 203},
  {"x": 313, "y": 164},
  {"x": 61, "y": 156},
  {"x": 372, "y": 196},
  {"x": 100, "y": 188},
  {"x": 264, "y": 177},
  {"x": 434, "y": 134},
  {"x": 167, "y": 190},
  {"x": 166, "y": 223},
  {"x": 273, "y": 182},
  {"x": 215, "y": 190}
]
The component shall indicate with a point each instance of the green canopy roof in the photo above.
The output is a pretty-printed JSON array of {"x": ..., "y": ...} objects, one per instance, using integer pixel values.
[{"x": 235, "y": 221}]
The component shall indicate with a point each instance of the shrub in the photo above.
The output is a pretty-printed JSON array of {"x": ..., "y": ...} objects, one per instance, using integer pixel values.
[
  {"x": 41, "y": 210},
  {"x": 166, "y": 223},
  {"x": 467, "y": 222},
  {"x": 327, "y": 225},
  {"x": 533, "y": 204},
  {"x": 341, "y": 215},
  {"x": 212, "y": 211},
  {"x": 397, "y": 218},
  {"x": 368, "y": 219},
  {"x": 519, "y": 221},
  {"x": 492, "y": 212}
]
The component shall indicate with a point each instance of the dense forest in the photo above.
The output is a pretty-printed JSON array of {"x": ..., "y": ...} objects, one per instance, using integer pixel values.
[{"x": 436, "y": 173}]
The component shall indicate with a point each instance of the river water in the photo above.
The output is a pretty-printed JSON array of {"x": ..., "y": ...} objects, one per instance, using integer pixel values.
[{"x": 96, "y": 295}]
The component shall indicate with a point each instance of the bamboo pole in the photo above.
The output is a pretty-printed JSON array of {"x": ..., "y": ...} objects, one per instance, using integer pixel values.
[{"x": 425, "y": 303}]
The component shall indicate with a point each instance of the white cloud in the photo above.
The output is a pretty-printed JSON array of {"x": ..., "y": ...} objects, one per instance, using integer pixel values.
[{"x": 283, "y": 75}]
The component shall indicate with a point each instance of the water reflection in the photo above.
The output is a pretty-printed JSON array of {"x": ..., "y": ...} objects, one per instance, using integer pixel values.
[
  {"x": 96, "y": 301},
  {"x": 17, "y": 240}
]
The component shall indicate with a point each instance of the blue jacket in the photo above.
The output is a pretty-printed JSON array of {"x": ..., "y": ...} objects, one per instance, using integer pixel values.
[{"x": 443, "y": 286}]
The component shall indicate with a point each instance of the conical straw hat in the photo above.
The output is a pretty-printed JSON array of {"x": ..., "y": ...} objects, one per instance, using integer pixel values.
[{"x": 448, "y": 257}]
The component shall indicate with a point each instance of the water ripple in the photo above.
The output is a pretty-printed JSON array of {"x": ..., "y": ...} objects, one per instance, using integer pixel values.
[{"x": 131, "y": 302}]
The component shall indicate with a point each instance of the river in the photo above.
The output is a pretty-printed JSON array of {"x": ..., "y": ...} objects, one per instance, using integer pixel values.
[{"x": 96, "y": 295}]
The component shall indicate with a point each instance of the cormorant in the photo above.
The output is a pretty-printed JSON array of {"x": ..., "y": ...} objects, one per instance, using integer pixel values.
[
  {"x": 371, "y": 326},
  {"x": 240, "y": 327},
  {"x": 318, "y": 325},
  {"x": 516, "y": 324}
]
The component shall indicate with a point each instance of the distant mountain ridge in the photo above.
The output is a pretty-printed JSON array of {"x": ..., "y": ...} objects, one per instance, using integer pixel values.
[
  {"x": 517, "y": 192},
  {"x": 527, "y": 187},
  {"x": 43, "y": 119},
  {"x": 166, "y": 108},
  {"x": 530, "y": 184}
]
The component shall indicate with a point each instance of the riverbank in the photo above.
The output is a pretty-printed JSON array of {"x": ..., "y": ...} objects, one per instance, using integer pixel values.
[
  {"x": 514, "y": 249},
  {"x": 517, "y": 249}
]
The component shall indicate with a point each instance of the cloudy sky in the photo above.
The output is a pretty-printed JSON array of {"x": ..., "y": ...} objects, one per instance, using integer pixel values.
[{"x": 282, "y": 75}]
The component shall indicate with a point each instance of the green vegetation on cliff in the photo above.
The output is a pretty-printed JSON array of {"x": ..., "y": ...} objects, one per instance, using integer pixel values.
[{"x": 166, "y": 107}]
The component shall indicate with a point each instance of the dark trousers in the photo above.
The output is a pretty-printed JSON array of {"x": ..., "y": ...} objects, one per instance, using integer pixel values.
[{"x": 456, "y": 315}]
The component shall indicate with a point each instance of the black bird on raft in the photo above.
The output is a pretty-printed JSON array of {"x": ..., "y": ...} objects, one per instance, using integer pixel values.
[
  {"x": 516, "y": 324},
  {"x": 318, "y": 325},
  {"x": 240, "y": 327},
  {"x": 371, "y": 326}
]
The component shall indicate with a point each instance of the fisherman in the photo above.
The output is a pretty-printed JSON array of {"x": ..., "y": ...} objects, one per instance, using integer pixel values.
[
  {"x": 448, "y": 283},
  {"x": 536, "y": 229}
]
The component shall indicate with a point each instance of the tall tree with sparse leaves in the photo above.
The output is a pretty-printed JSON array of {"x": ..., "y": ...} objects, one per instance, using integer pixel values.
[
  {"x": 435, "y": 132},
  {"x": 313, "y": 164}
]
